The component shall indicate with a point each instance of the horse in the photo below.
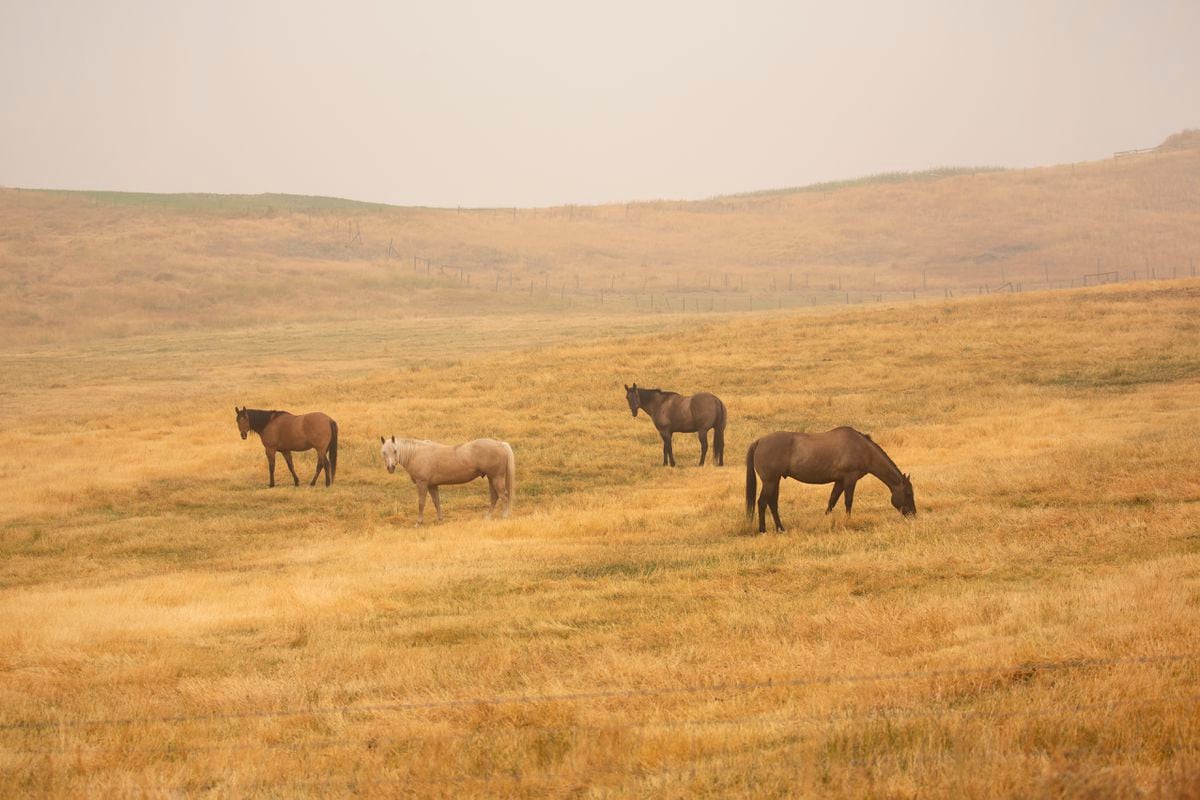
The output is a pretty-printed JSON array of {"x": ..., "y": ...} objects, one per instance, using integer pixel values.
[
  {"x": 673, "y": 413},
  {"x": 431, "y": 465},
  {"x": 284, "y": 433},
  {"x": 840, "y": 456}
]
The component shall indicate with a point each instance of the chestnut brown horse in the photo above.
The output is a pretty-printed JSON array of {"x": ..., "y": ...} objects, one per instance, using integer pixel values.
[
  {"x": 673, "y": 413},
  {"x": 431, "y": 465},
  {"x": 284, "y": 433},
  {"x": 840, "y": 456}
]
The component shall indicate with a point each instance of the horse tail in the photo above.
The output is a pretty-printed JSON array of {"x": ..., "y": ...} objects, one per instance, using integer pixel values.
[
  {"x": 332, "y": 450},
  {"x": 510, "y": 478},
  {"x": 719, "y": 434},
  {"x": 751, "y": 479}
]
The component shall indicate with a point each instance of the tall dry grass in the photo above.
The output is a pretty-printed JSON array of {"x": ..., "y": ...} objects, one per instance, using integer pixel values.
[{"x": 172, "y": 627}]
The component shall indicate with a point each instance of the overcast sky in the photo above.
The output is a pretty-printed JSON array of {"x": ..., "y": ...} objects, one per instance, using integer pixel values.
[{"x": 540, "y": 103}]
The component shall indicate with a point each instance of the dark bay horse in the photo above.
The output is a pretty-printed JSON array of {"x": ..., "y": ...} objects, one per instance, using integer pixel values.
[
  {"x": 673, "y": 413},
  {"x": 840, "y": 456},
  {"x": 284, "y": 433}
]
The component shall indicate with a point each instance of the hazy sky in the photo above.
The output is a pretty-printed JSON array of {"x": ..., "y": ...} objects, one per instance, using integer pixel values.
[{"x": 532, "y": 103}]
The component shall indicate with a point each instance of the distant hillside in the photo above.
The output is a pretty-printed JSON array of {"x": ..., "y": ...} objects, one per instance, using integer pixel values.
[{"x": 84, "y": 264}]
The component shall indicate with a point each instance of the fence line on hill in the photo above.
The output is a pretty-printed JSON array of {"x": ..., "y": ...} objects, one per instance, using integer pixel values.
[
  {"x": 1027, "y": 669},
  {"x": 715, "y": 292}
]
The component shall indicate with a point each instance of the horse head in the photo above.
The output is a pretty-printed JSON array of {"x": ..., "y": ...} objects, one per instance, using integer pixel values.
[
  {"x": 243, "y": 421},
  {"x": 902, "y": 498},
  {"x": 631, "y": 397},
  {"x": 391, "y": 454}
]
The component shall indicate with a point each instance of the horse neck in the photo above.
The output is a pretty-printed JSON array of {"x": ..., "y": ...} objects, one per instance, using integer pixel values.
[
  {"x": 406, "y": 448},
  {"x": 650, "y": 400},
  {"x": 259, "y": 419},
  {"x": 884, "y": 468}
]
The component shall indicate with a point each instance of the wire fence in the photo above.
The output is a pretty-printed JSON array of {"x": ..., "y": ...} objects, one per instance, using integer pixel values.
[
  {"x": 799, "y": 760},
  {"x": 1026, "y": 669},
  {"x": 715, "y": 292},
  {"x": 831, "y": 719},
  {"x": 781, "y": 750}
]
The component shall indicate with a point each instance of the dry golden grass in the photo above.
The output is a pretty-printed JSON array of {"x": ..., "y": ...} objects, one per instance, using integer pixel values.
[
  {"x": 79, "y": 265},
  {"x": 171, "y": 627}
]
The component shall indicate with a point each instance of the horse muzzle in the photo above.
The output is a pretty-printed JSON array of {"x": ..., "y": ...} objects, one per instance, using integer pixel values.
[
  {"x": 391, "y": 468},
  {"x": 243, "y": 436}
]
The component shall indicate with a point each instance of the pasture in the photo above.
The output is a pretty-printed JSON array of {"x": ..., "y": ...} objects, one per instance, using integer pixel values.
[{"x": 170, "y": 626}]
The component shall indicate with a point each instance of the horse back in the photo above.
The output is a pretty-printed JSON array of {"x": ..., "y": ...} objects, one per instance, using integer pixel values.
[
  {"x": 829, "y": 456},
  {"x": 489, "y": 456},
  {"x": 812, "y": 457},
  {"x": 300, "y": 431},
  {"x": 690, "y": 414}
]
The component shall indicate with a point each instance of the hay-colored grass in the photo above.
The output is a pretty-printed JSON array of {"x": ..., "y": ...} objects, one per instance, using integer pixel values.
[{"x": 171, "y": 626}]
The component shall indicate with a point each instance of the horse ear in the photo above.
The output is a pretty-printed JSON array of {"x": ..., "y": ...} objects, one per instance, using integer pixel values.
[
  {"x": 626, "y": 385},
  {"x": 393, "y": 438},
  {"x": 382, "y": 440}
]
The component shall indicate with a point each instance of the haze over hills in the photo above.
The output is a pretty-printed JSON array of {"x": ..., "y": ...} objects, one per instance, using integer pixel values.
[
  {"x": 86, "y": 264},
  {"x": 174, "y": 625}
]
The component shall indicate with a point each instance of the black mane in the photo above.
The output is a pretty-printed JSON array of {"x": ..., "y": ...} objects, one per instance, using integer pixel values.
[
  {"x": 653, "y": 391},
  {"x": 259, "y": 418},
  {"x": 886, "y": 457}
]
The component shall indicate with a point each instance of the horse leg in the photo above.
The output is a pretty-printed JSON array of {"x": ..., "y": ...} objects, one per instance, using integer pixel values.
[
  {"x": 666, "y": 437},
  {"x": 437, "y": 502},
  {"x": 287, "y": 457},
  {"x": 764, "y": 498},
  {"x": 270, "y": 468},
  {"x": 773, "y": 502},
  {"x": 703, "y": 434},
  {"x": 493, "y": 495},
  {"x": 507, "y": 497},
  {"x": 669, "y": 446},
  {"x": 833, "y": 497},
  {"x": 422, "y": 490},
  {"x": 325, "y": 463},
  {"x": 321, "y": 464},
  {"x": 849, "y": 495}
]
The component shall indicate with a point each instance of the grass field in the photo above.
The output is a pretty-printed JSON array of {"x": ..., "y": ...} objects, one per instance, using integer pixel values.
[
  {"x": 81, "y": 265},
  {"x": 171, "y": 627}
]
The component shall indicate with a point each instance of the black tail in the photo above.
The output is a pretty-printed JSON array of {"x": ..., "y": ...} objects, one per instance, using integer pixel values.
[
  {"x": 332, "y": 450},
  {"x": 719, "y": 435},
  {"x": 751, "y": 480}
]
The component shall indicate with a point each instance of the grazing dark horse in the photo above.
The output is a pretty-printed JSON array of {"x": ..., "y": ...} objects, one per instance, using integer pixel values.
[
  {"x": 840, "y": 456},
  {"x": 283, "y": 433},
  {"x": 673, "y": 413}
]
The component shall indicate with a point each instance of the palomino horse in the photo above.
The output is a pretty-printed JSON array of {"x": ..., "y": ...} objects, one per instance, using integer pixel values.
[
  {"x": 840, "y": 456},
  {"x": 673, "y": 413},
  {"x": 431, "y": 465},
  {"x": 283, "y": 433}
]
